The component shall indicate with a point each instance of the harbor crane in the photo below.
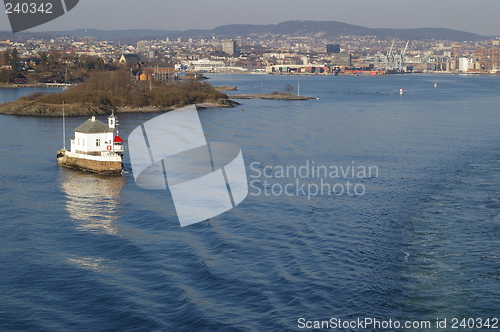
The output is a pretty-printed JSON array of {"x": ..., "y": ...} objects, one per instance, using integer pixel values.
[
  {"x": 391, "y": 61},
  {"x": 493, "y": 43}
]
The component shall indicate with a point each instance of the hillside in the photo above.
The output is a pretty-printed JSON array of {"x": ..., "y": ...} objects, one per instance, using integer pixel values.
[
  {"x": 332, "y": 29},
  {"x": 323, "y": 29}
]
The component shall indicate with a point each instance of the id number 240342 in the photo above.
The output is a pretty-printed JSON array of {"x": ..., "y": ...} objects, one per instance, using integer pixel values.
[{"x": 28, "y": 8}]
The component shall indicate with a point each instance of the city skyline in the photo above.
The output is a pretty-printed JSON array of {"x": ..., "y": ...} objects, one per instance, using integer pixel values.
[{"x": 478, "y": 17}]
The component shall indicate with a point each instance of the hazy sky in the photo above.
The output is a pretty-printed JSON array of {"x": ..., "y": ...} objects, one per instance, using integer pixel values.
[{"x": 479, "y": 16}]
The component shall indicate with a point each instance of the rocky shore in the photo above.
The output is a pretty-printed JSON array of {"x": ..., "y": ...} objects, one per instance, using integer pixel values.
[
  {"x": 226, "y": 88},
  {"x": 31, "y": 108}
]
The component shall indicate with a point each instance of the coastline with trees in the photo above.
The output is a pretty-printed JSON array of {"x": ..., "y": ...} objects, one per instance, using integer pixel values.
[
  {"x": 104, "y": 92},
  {"x": 97, "y": 88}
]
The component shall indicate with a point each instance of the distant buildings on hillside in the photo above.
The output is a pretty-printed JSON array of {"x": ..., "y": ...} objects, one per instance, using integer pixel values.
[
  {"x": 229, "y": 47},
  {"x": 332, "y": 48}
]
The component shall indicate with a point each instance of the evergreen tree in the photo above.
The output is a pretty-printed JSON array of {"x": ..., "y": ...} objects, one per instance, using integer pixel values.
[
  {"x": 6, "y": 57},
  {"x": 14, "y": 62},
  {"x": 43, "y": 56}
]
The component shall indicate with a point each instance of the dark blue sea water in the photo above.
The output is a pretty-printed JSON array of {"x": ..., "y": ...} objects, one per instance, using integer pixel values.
[{"x": 418, "y": 240}]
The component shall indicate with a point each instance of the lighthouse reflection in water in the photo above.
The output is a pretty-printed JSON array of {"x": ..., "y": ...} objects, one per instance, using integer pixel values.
[{"x": 92, "y": 200}]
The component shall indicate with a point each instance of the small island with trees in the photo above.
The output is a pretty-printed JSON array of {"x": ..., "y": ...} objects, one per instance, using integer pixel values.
[
  {"x": 276, "y": 95},
  {"x": 98, "y": 88}
]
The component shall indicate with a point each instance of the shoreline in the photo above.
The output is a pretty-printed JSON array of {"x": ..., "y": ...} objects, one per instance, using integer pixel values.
[
  {"x": 341, "y": 74},
  {"x": 234, "y": 88},
  {"x": 29, "y": 108},
  {"x": 270, "y": 96},
  {"x": 34, "y": 85}
]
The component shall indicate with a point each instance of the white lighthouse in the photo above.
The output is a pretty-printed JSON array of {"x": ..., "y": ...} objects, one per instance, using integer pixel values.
[{"x": 96, "y": 147}]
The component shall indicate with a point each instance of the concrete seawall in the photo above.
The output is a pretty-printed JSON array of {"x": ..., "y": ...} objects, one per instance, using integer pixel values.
[{"x": 95, "y": 166}]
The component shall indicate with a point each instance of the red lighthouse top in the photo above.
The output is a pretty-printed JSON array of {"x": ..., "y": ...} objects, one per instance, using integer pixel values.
[{"x": 118, "y": 139}]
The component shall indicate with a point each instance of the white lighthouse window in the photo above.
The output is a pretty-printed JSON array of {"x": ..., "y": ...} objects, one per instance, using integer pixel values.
[
  {"x": 98, "y": 142},
  {"x": 78, "y": 141}
]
